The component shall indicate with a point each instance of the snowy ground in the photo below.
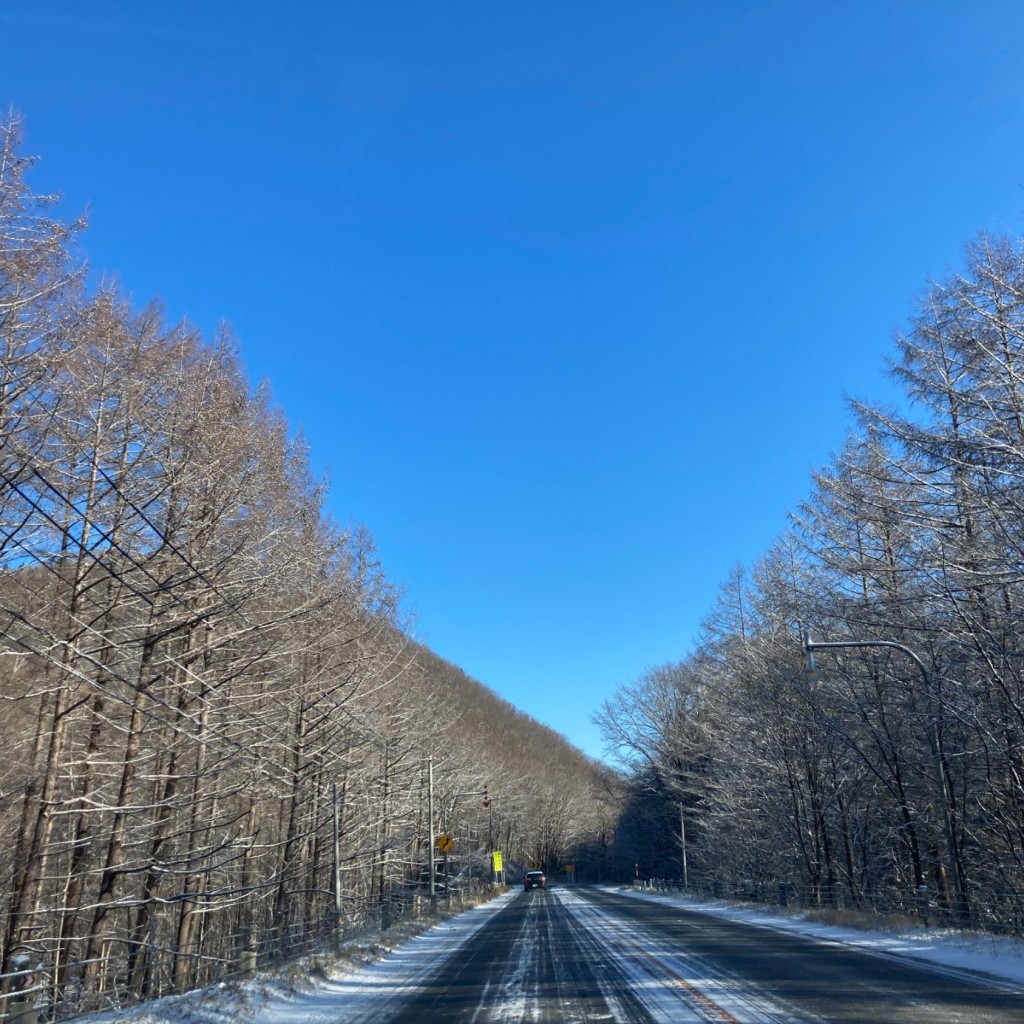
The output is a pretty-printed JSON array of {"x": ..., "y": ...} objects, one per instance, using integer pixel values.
[{"x": 345, "y": 992}]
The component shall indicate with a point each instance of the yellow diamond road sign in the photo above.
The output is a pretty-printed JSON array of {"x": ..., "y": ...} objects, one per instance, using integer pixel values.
[{"x": 445, "y": 843}]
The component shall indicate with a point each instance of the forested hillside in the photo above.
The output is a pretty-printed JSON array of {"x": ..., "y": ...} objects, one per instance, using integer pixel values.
[
  {"x": 199, "y": 665},
  {"x": 891, "y": 769}
]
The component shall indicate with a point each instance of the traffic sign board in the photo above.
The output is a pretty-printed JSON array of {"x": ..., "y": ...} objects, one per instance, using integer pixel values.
[{"x": 445, "y": 843}]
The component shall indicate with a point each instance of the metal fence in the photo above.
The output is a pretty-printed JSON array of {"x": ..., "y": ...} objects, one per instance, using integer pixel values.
[{"x": 40, "y": 990}]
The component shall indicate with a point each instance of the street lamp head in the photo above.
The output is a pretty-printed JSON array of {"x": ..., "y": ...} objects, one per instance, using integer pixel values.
[{"x": 809, "y": 651}]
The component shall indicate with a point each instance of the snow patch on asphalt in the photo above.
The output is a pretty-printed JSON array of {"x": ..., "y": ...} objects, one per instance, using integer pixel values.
[
  {"x": 674, "y": 987},
  {"x": 516, "y": 1000}
]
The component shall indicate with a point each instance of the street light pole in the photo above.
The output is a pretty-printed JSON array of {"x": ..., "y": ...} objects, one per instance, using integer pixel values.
[
  {"x": 952, "y": 857},
  {"x": 336, "y": 835},
  {"x": 682, "y": 839}
]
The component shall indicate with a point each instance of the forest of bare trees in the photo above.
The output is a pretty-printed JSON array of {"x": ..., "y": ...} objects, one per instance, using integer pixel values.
[
  {"x": 895, "y": 768},
  {"x": 201, "y": 672}
]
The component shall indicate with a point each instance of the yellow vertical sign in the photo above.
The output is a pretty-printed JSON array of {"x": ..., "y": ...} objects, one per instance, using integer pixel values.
[{"x": 496, "y": 859}]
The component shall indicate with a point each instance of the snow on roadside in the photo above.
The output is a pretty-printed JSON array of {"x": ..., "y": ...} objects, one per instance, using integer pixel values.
[
  {"x": 324, "y": 990},
  {"x": 953, "y": 950}
]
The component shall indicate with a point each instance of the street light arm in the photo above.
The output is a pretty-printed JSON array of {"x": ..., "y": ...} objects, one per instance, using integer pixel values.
[{"x": 810, "y": 646}]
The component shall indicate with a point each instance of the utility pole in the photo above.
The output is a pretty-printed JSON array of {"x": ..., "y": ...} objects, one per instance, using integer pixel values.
[
  {"x": 430, "y": 831},
  {"x": 490, "y": 832},
  {"x": 444, "y": 855}
]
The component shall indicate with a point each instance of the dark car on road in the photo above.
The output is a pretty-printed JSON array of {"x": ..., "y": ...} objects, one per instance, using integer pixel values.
[{"x": 535, "y": 880}]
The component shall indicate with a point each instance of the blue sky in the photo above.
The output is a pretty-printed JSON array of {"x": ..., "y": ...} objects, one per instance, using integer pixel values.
[{"x": 565, "y": 296}]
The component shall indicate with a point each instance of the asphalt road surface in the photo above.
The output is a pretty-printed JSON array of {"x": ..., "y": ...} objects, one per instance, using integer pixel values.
[{"x": 570, "y": 954}]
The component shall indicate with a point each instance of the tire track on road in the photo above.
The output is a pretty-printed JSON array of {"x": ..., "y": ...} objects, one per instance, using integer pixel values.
[{"x": 669, "y": 981}]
